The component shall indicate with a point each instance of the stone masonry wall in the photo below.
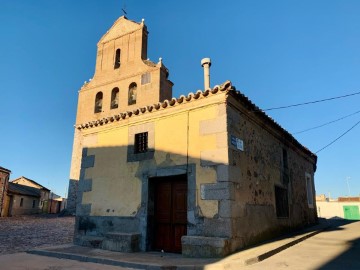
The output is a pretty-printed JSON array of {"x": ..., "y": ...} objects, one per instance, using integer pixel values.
[{"x": 255, "y": 171}]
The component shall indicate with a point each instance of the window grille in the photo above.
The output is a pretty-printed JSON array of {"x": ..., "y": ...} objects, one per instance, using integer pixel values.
[{"x": 141, "y": 142}]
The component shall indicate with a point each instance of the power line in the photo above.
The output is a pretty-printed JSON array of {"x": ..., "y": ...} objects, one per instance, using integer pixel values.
[
  {"x": 338, "y": 137},
  {"x": 310, "y": 102},
  {"x": 346, "y": 116}
]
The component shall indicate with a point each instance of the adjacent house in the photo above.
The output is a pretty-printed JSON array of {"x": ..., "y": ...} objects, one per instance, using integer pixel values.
[
  {"x": 56, "y": 203},
  {"x": 44, "y": 192},
  {"x": 23, "y": 200},
  {"x": 4, "y": 182},
  {"x": 204, "y": 174}
]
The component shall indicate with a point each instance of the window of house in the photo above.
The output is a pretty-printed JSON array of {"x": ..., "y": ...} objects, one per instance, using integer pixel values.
[
  {"x": 21, "y": 202},
  {"x": 132, "y": 94},
  {"x": 98, "y": 102},
  {"x": 117, "y": 59},
  {"x": 141, "y": 142},
  {"x": 281, "y": 201},
  {"x": 33, "y": 205},
  {"x": 114, "y": 98},
  {"x": 145, "y": 78},
  {"x": 309, "y": 190}
]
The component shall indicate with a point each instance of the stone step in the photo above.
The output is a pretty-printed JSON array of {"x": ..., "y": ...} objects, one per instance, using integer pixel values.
[
  {"x": 122, "y": 242},
  {"x": 90, "y": 241}
]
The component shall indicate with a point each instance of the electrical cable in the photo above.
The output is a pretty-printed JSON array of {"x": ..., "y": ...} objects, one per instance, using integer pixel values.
[
  {"x": 310, "y": 102},
  {"x": 337, "y": 138},
  {"x": 327, "y": 123}
]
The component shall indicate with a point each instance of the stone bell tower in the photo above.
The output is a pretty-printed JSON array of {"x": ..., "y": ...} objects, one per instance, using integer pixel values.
[{"x": 124, "y": 78}]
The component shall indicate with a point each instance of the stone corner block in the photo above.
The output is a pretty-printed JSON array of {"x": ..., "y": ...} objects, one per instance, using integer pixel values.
[
  {"x": 83, "y": 209},
  {"x": 122, "y": 242},
  {"x": 85, "y": 185},
  {"x": 222, "y": 173},
  {"x": 217, "y": 191},
  {"x": 213, "y": 126},
  {"x": 205, "y": 247},
  {"x": 88, "y": 162}
]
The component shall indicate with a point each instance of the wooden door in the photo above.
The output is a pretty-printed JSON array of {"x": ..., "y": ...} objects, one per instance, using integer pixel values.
[{"x": 170, "y": 213}]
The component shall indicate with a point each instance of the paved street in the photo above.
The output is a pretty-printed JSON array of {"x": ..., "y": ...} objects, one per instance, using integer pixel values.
[
  {"x": 24, "y": 261},
  {"x": 22, "y": 233},
  {"x": 337, "y": 248},
  {"x": 19, "y": 234}
]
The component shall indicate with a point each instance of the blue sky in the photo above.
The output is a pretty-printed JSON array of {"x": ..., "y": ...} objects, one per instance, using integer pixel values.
[{"x": 275, "y": 52}]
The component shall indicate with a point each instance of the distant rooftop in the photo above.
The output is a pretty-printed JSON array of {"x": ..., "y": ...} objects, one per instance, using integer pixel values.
[
  {"x": 23, "y": 190},
  {"x": 32, "y": 181}
]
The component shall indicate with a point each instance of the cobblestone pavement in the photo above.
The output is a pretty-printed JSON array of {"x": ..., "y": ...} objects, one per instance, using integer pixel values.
[{"x": 18, "y": 234}]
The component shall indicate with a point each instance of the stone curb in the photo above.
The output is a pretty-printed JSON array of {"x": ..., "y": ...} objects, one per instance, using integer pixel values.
[
  {"x": 270, "y": 253},
  {"x": 238, "y": 259},
  {"x": 82, "y": 258}
]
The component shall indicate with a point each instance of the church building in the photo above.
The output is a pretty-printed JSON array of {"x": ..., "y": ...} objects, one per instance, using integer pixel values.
[{"x": 204, "y": 174}]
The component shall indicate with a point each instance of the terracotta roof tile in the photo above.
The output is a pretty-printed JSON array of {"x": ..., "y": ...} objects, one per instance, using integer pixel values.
[{"x": 225, "y": 87}]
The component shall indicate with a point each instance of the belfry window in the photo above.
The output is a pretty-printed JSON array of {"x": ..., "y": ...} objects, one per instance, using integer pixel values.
[
  {"x": 132, "y": 94},
  {"x": 114, "y": 98},
  {"x": 117, "y": 59},
  {"x": 98, "y": 102}
]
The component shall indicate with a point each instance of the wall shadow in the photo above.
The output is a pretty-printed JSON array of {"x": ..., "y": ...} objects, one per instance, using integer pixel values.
[
  {"x": 114, "y": 164},
  {"x": 349, "y": 259}
]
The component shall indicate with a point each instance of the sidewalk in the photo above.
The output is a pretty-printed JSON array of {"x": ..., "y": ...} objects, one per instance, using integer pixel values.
[{"x": 158, "y": 260}]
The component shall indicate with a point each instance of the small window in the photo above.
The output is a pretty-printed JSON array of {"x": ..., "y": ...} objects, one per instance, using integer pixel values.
[
  {"x": 309, "y": 190},
  {"x": 98, "y": 102},
  {"x": 132, "y": 94},
  {"x": 114, "y": 98},
  {"x": 117, "y": 59},
  {"x": 281, "y": 201},
  {"x": 33, "y": 205},
  {"x": 21, "y": 202},
  {"x": 145, "y": 78},
  {"x": 141, "y": 142}
]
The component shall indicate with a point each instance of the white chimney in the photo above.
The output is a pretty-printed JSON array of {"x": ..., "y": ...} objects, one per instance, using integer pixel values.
[{"x": 206, "y": 63}]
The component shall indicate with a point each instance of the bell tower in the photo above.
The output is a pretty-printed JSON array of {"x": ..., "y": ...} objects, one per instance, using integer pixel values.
[{"x": 124, "y": 78}]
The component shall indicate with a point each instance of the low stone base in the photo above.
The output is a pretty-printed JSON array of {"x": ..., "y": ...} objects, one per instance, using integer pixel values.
[
  {"x": 122, "y": 242},
  {"x": 205, "y": 247},
  {"x": 89, "y": 241}
]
